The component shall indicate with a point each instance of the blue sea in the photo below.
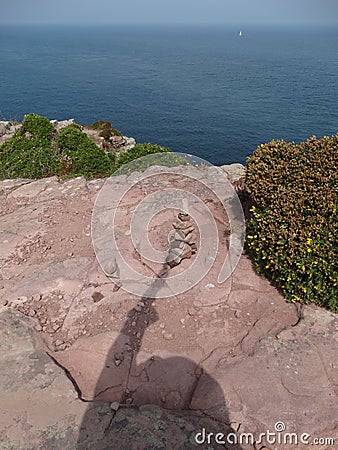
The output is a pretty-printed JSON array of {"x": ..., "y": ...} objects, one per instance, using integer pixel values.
[{"x": 201, "y": 90}]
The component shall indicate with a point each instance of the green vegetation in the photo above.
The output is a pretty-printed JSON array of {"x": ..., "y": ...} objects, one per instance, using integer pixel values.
[
  {"x": 37, "y": 150},
  {"x": 142, "y": 156},
  {"x": 138, "y": 151},
  {"x": 37, "y": 126},
  {"x": 81, "y": 156},
  {"x": 292, "y": 232},
  {"x": 105, "y": 128},
  {"x": 29, "y": 153}
]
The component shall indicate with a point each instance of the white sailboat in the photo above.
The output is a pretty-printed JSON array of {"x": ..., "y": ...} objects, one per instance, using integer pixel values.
[{"x": 240, "y": 34}]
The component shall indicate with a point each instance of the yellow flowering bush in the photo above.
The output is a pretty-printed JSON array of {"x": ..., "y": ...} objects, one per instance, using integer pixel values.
[{"x": 292, "y": 229}]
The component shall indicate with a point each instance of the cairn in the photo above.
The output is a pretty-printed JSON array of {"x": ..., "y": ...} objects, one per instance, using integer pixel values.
[{"x": 181, "y": 245}]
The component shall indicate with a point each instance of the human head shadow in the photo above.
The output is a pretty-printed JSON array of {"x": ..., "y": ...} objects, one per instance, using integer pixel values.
[{"x": 166, "y": 381}]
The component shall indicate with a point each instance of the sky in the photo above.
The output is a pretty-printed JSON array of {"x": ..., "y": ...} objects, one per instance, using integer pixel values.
[{"x": 234, "y": 12}]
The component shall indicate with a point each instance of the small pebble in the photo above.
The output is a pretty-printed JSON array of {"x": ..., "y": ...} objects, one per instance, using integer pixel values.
[
  {"x": 193, "y": 247},
  {"x": 63, "y": 346},
  {"x": 115, "y": 406},
  {"x": 191, "y": 311},
  {"x": 178, "y": 236},
  {"x": 176, "y": 244},
  {"x": 197, "y": 303},
  {"x": 235, "y": 426},
  {"x": 116, "y": 287},
  {"x": 179, "y": 225},
  {"x": 97, "y": 296},
  {"x": 183, "y": 217},
  {"x": 168, "y": 336},
  {"x": 188, "y": 230}
]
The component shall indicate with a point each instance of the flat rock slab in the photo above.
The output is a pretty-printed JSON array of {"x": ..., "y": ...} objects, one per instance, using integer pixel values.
[
  {"x": 291, "y": 378},
  {"x": 40, "y": 408},
  {"x": 99, "y": 368},
  {"x": 39, "y": 405}
]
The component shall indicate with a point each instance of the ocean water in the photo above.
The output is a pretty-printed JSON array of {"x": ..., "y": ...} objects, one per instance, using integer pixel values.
[{"x": 201, "y": 90}]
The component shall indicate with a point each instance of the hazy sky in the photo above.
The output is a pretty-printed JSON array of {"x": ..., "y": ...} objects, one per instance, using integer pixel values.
[{"x": 237, "y": 12}]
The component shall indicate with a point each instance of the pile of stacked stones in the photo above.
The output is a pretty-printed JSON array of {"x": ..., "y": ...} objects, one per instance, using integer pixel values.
[{"x": 181, "y": 245}]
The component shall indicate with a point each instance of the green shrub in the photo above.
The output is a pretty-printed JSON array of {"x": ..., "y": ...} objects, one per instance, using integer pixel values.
[
  {"x": 99, "y": 125},
  {"x": 105, "y": 128},
  {"x": 142, "y": 156},
  {"x": 138, "y": 151},
  {"x": 29, "y": 153},
  {"x": 75, "y": 125},
  {"x": 292, "y": 232},
  {"x": 35, "y": 152},
  {"x": 37, "y": 126},
  {"x": 81, "y": 156},
  {"x": 27, "y": 158}
]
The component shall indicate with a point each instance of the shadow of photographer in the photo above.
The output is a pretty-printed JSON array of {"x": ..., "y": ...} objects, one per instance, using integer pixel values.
[{"x": 132, "y": 379}]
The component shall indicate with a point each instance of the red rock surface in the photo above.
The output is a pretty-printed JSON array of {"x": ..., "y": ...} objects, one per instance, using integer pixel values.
[{"x": 236, "y": 352}]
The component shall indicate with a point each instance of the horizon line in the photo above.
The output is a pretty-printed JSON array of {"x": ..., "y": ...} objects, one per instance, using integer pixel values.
[{"x": 180, "y": 24}]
